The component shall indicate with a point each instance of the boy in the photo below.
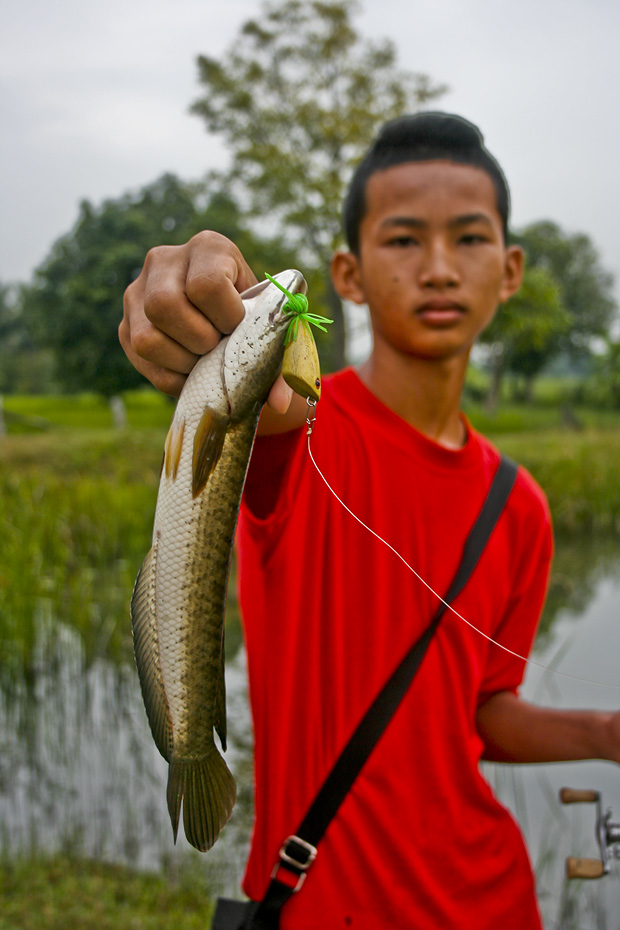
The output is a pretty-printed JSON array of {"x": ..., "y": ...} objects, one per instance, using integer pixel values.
[{"x": 420, "y": 840}]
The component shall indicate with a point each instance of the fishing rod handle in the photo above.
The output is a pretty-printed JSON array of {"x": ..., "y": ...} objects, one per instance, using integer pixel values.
[
  {"x": 584, "y": 868},
  {"x": 578, "y": 796}
]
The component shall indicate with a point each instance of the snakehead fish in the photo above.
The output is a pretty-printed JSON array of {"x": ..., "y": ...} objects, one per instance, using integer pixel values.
[{"x": 178, "y": 603}]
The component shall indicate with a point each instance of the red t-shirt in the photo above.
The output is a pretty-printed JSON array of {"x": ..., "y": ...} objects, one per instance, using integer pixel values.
[{"x": 420, "y": 841}]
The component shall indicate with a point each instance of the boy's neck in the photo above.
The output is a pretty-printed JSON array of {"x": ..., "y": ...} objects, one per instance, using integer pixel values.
[{"x": 425, "y": 393}]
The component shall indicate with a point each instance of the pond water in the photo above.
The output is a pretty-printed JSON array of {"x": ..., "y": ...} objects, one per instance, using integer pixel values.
[{"x": 79, "y": 771}]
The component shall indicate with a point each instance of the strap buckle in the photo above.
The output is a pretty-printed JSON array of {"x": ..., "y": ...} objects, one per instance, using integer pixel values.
[{"x": 296, "y": 856}]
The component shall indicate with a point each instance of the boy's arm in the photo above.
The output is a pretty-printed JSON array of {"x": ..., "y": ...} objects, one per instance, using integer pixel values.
[
  {"x": 514, "y": 731},
  {"x": 184, "y": 300}
]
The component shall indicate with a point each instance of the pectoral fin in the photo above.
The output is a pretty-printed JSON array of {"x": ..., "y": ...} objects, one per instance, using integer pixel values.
[
  {"x": 300, "y": 365},
  {"x": 208, "y": 445},
  {"x": 173, "y": 448}
]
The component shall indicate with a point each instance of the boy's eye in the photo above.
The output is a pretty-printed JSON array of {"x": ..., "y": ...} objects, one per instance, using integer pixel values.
[
  {"x": 472, "y": 239},
  {"x": 402, "y": 242}
]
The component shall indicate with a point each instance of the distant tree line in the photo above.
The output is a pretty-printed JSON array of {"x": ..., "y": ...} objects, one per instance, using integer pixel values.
[{"x": 296, "y": 98}]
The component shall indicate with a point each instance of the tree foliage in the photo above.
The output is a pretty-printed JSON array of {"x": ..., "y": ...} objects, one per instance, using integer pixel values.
[
  {"x": 11, "y": 332},
  {"x": 585, "y": 286},
  {"x": 75, "y": 303},
  {"x": 23, "y": 368},
  {"x": 565, "y": 301},
  {"x": 605, "y": 383},
  {"x": 524, "y": 329},
  {"x": 298, "y": 97}
]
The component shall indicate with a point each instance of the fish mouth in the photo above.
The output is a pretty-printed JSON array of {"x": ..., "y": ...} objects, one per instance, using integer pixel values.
[
  {"x": 292, "y": 280},
  {"x": 255, "y": 290}
]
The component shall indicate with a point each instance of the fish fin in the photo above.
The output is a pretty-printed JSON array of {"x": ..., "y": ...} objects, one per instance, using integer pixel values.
[
  {"x": 173, "y": 447},
  {"x": 146, "y": 651},
  {"x": 219, "y": 720},
  {"x": 208, "y": 792},
  {"x": 208, "y": 444}
]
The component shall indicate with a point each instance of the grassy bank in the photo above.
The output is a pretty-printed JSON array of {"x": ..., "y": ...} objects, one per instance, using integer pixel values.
[
  {"x": 66, "y": 894},
  {"x": 579, "y": 472},
  {"x": 576, "y": 463}
]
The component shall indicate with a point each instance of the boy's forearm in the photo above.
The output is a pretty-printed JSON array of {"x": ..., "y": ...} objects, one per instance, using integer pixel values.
[{"x": 515, "y": 731}]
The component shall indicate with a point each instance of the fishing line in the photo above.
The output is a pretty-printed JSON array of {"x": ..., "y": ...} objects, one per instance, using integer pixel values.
[{"x": 546, "y": 668}]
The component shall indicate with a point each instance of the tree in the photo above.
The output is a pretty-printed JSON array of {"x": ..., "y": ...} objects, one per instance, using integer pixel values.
[
  {"x": 523, "y": 329},
  {"x": 11, "y": 332},
  {"x": 23, "y": 368},
  {"x": 75, "y": 303},
  {"x": 605, "y": 383},
  {"x": 585, "y": 286},
  {"x": 298, "y": 97}
]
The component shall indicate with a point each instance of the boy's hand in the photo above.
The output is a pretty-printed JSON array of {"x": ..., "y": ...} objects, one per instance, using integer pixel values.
[{"x": 184, "y": 300}]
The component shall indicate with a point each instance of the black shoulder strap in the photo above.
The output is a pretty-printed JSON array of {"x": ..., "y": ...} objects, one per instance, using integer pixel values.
[{"x": 299, "y": 851}]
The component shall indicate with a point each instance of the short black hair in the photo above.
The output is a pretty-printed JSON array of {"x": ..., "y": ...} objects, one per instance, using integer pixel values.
[{"x": 427, "y": 136}]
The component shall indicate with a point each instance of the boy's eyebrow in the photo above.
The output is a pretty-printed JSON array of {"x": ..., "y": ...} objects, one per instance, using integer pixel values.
[
  {"x": 468, "y": 218},
  {"x": 417, "y": 223}
]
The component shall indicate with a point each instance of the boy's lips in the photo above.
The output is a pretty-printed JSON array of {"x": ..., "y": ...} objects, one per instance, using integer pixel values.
[{"x": 440, "y": 312}]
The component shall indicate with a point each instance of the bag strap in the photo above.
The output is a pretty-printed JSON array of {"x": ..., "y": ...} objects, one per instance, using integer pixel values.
[{"x": 299, "y": 851}]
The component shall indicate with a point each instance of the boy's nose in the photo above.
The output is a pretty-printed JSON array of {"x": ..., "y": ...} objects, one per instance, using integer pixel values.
[{"x": 438, "y": 269}]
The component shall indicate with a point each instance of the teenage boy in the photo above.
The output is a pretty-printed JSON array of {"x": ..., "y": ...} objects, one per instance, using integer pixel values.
[{"x": 420, "y": 840}]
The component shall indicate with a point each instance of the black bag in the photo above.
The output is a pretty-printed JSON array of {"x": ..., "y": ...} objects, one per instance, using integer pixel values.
[
  {"x": 299, "y": 851},
  {"x": 231, "y": 915}
]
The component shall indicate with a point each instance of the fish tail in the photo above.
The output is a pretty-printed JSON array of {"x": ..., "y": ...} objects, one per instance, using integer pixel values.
[{"x": 208, "y": 792}]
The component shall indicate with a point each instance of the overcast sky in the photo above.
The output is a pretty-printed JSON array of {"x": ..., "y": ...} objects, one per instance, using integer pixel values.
[{"x": 95, "y": 101}]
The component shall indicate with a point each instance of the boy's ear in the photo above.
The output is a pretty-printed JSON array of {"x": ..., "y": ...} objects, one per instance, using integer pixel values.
[
  {"x": 346, "y": 277},
  {"x": 514, "y": 262}
]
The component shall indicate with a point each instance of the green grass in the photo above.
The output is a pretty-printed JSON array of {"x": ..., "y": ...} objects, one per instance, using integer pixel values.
[
  {"x": 33, "y": 413},
  {"x": 520, "y": 418},
  {"x": 65, "y": 894},
  {"x": 579, "y": 472},
  {"x": 76, "y": 515}
]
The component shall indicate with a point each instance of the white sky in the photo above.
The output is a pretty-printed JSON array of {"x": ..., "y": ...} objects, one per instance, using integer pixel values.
[{"x": 95, "y": 101}]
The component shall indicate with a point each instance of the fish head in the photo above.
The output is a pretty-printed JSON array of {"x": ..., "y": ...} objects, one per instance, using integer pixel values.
[{"x": 254, "y": 350}]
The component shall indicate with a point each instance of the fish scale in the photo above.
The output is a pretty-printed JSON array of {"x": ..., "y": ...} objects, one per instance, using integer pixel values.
[{"x": 179, "y": 599}]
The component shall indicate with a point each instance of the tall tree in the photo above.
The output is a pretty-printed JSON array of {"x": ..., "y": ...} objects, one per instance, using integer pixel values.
[
  {"x": 605, "y": 383},
  {"x": 298, "y": 97},
  {"x": 22, "y": 367},
  {"x": 74, "y": 304},
  {"x": 523, "y": 329},
  {"x": 586, "y": 288}
]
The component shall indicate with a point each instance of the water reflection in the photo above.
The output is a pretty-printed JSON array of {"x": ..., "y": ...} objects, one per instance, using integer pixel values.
[{"x": 79, "y": 770}]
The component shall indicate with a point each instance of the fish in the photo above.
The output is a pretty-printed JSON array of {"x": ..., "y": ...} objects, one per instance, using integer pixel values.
[{"x": 179, "y": 598}]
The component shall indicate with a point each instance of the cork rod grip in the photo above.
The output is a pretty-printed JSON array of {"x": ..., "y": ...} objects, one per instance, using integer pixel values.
[
  {"x": 578, "y": 796},
  {"x": 584, "y": 868}
]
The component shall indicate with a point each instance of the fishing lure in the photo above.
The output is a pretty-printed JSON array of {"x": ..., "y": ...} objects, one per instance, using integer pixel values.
[
  {"x": 297, "y": 308},
  {"x": 300, "y": 363}
]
